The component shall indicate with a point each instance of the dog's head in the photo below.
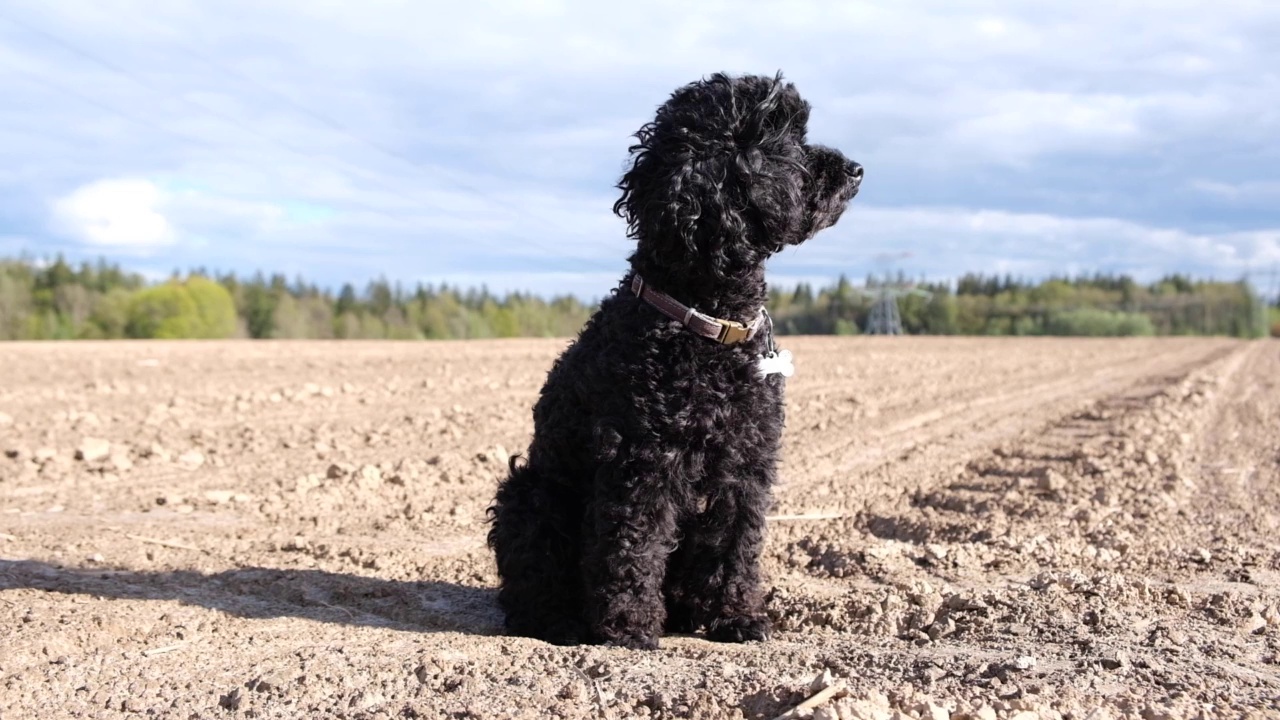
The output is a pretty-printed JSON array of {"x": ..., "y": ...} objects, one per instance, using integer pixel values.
[{"x": 724, "y": 177}]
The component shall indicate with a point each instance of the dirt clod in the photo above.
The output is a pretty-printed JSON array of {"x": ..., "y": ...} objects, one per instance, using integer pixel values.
[
  {"x": 93, "y": 450},
  {"x": 192, "y": 459}
]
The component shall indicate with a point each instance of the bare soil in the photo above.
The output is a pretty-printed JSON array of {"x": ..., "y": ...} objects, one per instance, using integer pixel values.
[{"x": 969, "y": 528}]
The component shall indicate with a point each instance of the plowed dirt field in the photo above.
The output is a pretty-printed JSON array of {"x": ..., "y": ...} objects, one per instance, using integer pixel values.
[{"x": 968, "y": 528}]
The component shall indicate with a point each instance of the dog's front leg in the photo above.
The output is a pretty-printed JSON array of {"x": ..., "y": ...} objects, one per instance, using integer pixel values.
[
  {"x": 631, "y": 528},
  {"x": 715, "y": 575},
  {"x": 736, "y": 605}
]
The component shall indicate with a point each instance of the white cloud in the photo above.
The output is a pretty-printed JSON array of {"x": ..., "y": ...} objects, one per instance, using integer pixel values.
[
  {"x": 121, "y": 213},
  {"x": 1242, "y": 192},
  {"x": 947, "y": 242},
  {"x": 1017, "y": 125}
]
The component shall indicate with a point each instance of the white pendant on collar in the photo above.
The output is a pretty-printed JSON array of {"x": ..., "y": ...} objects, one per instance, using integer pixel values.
[{"x": 777, "y": 362}]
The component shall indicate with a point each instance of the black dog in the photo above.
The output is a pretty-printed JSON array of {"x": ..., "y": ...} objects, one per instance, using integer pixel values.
[{"x": 642, "y": 503}]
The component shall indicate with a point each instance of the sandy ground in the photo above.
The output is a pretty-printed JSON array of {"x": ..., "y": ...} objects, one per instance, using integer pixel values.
[{"x": 1007, "y": 529}]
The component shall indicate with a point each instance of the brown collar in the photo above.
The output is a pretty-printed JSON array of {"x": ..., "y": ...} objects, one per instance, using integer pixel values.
[{"x": 725, "y": 332}]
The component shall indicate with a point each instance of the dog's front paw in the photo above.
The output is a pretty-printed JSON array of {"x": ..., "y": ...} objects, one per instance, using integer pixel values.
[
  {"x": 680, "y": 619},
  {"x": 565, "y": 633},
  {"x": 739, "y": 629},
  {"x": 633, "y": 642}
]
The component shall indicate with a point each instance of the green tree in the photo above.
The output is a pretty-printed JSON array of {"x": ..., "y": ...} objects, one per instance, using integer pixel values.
[
  {"x": 940, "y": 314},
  {"x": 198, "y": 308},
  {"x": 347, "y": 300},
  {"x": 164, "y": 312},
  {"x": 215, "y": 308},
  {"x": 290, "y": 321},
  {"x": 1091, "y": 322},
  {"x": 110, "y": 314},
  {"x": 15, "y": 305},
  {"x": 259, "y": 309},
  {"x": 73, "y": 303}
]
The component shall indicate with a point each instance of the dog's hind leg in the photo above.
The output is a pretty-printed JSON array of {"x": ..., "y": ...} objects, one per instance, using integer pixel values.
[{"x": 535, "y": 539}]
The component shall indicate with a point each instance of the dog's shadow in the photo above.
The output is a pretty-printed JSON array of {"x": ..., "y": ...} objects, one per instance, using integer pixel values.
[{"x": 258, "y": 593}]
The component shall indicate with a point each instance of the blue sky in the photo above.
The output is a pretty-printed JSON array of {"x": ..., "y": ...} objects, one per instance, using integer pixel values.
[{"x": 480, "y": 141}]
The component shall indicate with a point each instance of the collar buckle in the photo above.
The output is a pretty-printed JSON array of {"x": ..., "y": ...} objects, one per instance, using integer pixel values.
[{"x": 732, "y": 332}]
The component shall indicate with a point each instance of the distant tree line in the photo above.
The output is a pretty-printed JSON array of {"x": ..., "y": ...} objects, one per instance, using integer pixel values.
[
  {"x": 977, "y": 304},
  {"x": 57, "y": 300}
]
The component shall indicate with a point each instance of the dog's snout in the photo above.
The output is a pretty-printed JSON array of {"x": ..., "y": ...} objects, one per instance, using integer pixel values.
[{"x": 855, "y": 171}]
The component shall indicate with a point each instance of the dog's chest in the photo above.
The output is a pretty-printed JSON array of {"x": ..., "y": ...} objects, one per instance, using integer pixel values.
[{"x": 725, "y": 401}]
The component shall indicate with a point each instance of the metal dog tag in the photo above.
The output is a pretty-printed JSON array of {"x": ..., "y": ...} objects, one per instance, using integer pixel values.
[{"x": 777, "y": 362}]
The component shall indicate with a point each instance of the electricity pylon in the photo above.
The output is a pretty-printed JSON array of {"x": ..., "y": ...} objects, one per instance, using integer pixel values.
[{"x": 885, "y": 318}]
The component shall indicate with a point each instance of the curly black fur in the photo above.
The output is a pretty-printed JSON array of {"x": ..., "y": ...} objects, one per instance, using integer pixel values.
[{"x": 642, "y": 503}]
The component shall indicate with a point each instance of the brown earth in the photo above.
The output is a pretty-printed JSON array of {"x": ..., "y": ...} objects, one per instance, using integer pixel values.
[{"x": 995, "y": 529}]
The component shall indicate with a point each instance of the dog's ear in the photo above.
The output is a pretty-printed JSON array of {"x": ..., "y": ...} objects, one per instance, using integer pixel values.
[
  {"x": 721, "y": 163},
  {"x": 774, "y": 112},
  {"x": 770, "y": 162},
  {"x": 664, "y": 190}
]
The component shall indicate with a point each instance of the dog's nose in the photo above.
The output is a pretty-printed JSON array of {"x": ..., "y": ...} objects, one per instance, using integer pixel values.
[{"x": 855, "y": 171}]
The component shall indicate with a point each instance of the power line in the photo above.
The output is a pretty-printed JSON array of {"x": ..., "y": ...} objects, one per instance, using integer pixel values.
[
  {"x": 343, "y": 129},
  {"x": 44, "y": 83},
  {"x": 136, "y": 79},
  {"x": 231, "y": 120},
  {"x": 346, "y": 131},
  {"x": 188, "y": 101},
  {"x": 332, "y": 124}
]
